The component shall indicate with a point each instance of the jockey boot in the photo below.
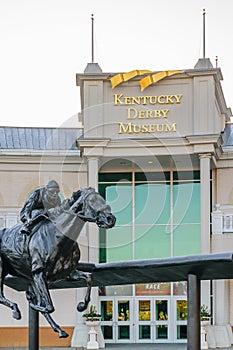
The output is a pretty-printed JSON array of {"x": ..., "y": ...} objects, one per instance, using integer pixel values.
[{"x": 25, "y": 229}]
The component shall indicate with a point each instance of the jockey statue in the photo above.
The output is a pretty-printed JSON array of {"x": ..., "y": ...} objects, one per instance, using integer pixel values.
[{"x": 38, "y": 204}]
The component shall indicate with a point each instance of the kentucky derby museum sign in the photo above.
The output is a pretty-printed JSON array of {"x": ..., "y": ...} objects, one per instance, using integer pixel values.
[
  {"x": 143, "y": 105},
  {"x": 145, "y": 114}
]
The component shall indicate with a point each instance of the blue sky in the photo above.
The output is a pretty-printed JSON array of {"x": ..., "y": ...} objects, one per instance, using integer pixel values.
[{"x": 44, "y": 43}]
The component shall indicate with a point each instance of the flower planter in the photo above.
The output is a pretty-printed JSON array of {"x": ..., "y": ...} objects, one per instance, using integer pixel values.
[
  {"x": 92, "y": 320},
  {"x": 93, "y": 323},
  {"x": 205, "y": 321},
  {"x": 93, "y": 333}
]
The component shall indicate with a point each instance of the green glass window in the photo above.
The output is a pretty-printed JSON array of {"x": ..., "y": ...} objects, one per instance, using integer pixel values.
[
  {"x": 119, "y": 243},
  {"x": 187, "y": 239},
  {"x": 152, "y": 203},
  {"x": 158, "y": 215},
  {"x": 152, "y": 241},
  {"x": 120, "y": 199},
  {"x": 186, "y": 218},
  {"x": 186, "y": 202}
]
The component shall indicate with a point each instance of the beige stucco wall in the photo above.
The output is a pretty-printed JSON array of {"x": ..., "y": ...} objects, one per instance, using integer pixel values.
[
  {"x": 225, "y": 186},
  {"x": 64, "y": 301},
  {"x": 222, "y": 243},
  {"x": 18, "y": 178}
]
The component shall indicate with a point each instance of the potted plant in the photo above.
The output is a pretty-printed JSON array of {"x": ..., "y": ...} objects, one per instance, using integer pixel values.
[
  {"x": 205, "y": 315},
  {"x": 92, "y": 317}
]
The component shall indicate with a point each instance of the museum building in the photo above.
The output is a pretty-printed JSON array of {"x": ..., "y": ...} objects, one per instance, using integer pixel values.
[{"x": 158, "y": 146}]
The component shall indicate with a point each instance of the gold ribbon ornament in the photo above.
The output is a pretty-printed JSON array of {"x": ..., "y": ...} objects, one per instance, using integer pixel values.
[
  {"x": 144, "y": 82},
  {"x": 122, "y": 77},
  {"x": 154, "y": 78}
]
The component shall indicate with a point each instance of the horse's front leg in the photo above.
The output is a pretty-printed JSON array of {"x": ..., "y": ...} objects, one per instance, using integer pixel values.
[
  {"x": 42, "y": 293},
  {"x": 77, "y": 275},
  {"x": 54, "y": 325}
]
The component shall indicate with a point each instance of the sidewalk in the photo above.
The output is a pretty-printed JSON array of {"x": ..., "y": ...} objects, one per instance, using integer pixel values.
[
  {"x": 146, "y": 346},
  {"x": 157, "y": 346},
  {"x": 122, "y": 347}
]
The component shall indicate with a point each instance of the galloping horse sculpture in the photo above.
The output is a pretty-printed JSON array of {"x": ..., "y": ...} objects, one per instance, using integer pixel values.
[{"x": 51, "y": 252}]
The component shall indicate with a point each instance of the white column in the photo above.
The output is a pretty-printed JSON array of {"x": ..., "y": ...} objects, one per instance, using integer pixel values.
[
  {"x": 205, "y": 218},
  {"x": 221, "y": 302},
  {"x": 80, "y": 334},
  {"x": 231, "y": 302},
  {"x": 205, "y": 202},
  {"x": 93, "y": 232},
  {"x": 93, "y": 169}
]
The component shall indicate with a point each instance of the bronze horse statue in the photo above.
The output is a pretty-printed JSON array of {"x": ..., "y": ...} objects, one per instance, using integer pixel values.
[{"x": 51, "y": 252}]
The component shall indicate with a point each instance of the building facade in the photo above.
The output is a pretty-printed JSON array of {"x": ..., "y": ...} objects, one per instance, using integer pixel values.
[{"x": 158, "y": 147}]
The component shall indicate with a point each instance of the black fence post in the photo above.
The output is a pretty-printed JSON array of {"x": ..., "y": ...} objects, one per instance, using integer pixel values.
[
  {"x": 194, "y": 331},
  {"x": 33, "y": 329}
]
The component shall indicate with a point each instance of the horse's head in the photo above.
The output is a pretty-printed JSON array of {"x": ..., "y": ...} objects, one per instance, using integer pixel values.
[{"x": 90, "y": 206}]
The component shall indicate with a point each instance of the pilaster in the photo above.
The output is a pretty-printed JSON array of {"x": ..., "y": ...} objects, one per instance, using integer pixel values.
[
  {"x": 93, "y": 168},
  {"x": 205, "y": 202},
  {"x": 205, "y": 218}
]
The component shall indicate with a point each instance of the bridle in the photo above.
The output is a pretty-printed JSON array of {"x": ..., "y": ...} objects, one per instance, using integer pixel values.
[
  {"x": 89, "y": 213},
  {"x": 83, "y": 199}
]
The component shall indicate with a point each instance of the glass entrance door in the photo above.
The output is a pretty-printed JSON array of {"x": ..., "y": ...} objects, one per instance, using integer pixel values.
[
  {"x": 144, "y": 319},
  {"x": 162, "y": 320},
  {"x": 117, "y": 320},
  {"x": 152, "y": 320},
  {"x": 107, "y": 320},
  {"x": 124, "y": 322},
  {"x": 144, "y": 323},
  {"x": 181, "y": 313}
]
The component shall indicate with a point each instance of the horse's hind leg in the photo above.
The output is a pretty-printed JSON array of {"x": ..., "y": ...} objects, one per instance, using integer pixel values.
[
  {"x": 79, "y": 275},
  {"x": 42, "y": 294},
  {"x": 14, "y": 307},
  {"x": 32, "y": 296}
]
